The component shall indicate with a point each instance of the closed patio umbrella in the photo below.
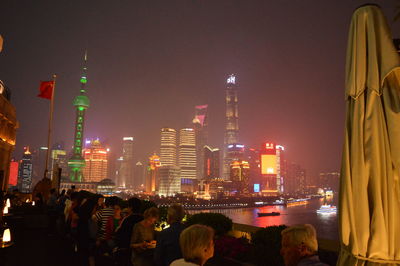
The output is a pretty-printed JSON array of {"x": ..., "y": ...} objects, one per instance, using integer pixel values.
[{"x": 369, "y": 204}]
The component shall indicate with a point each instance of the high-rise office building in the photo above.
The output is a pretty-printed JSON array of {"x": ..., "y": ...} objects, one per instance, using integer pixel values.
[
  {"x": 211, "y": 163},
  {"x": 59, "y": 160},
  {"x": 240, "y": 171},
  {"x": 25, "y": 172},
  {"x": 13, "y": 176},
  {"x": 329, "y": 181},
  {"x": 272, "y": 168},
  {"x": 126, "y": 170},
  {"x": 81, "y": 103},
  {"x": 152, "y": 179},
  {"x": 168, "y": 147},
  {"x": 96, "y": 160},
  {"x": 139, "y": 176},
  {"x": 39, "y": 157},
  {"x": 253, "y": 157},
  {"x": 200, "y": 126},
  {"x": 187, "y": 153},
  {"x": 118, "y": 180},
  {"x": 232, "y": 122},
  {"x": 170, "y": 182},
  {"x": 295, "y": 180}
]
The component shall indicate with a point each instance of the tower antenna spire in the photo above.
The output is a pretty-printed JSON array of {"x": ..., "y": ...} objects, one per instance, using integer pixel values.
[{"x": 84, "y": 73}]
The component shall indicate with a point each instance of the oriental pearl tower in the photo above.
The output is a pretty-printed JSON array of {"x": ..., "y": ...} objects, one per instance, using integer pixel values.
[{"x": 81, "y": 103}]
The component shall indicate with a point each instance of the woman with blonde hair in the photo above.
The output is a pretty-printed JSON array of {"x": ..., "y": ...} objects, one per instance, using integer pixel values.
[{"x": 197, "y": 245}]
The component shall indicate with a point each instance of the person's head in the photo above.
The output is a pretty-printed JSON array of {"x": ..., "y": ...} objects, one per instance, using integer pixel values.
[
  {"x": 151, "y": 215},
  {"x": 100, "y": 200},
  {"x": 74, "y": 196},
  {"x": 62, "y": 192},
  {"x": 111, "y": 201},
  {"x": 175, "y": 213},
  {"x": 134, "y": 204},
  {"x": 298, "y": 242},
  {"x": 117, "y": 210},
  {"x": 197, "y": 243}
]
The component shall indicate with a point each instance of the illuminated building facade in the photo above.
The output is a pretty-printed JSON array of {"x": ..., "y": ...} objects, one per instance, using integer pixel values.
[
  {"x": 295, "y": 181},
  {"x": 8, "y": 132},
  {"x": 39, "y": 161},
  {"x": 211, "y": 163},
  {"x": 253, "y": 157},
  {"x": 13, "y": 177},
  {"x": 240, "y": 171},
  {"x": 170, "y": 181},
  {"x": 329, "y": 181},
  {"x": 138, "y": 174},
  {"x": 153, "y": 177},
  {"x": 59, "y": 160},
  {"x": 118, "y": 164},
  {"x": 187, "y": 153},
  {"x": 200, "y": 126},
  {"x": 232, "y": 122},
  {"x": 168, "y": 147},
  {"x": 126, "y": 168},
  {"x": 25, "y": 172},
  {"x": 96, "y": 160},
  {"x": 271, "y": 158},
  {"x": 81, "y": 103}
]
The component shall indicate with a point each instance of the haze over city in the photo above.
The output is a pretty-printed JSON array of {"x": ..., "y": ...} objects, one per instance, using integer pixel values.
[{"x": 149, "y": 64}]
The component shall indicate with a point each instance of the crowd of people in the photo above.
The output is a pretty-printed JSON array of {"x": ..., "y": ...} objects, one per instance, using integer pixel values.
[{"x": 100, "y": 229}]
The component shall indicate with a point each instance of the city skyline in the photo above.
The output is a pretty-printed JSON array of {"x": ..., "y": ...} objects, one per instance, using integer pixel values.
[{"x": 154, "y": 81}]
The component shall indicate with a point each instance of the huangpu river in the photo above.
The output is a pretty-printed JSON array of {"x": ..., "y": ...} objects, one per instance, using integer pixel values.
[{"x": 325, "y": 224}]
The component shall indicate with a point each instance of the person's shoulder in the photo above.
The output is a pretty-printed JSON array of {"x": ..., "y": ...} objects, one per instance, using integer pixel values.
[{"x": 181, "y": 262}]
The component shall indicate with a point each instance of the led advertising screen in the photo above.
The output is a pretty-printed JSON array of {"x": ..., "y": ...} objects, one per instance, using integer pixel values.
[
  {"x": 13, "y": 174},
  {"x": 256, "y": 188},
  {"x": 268, "y": 164}
]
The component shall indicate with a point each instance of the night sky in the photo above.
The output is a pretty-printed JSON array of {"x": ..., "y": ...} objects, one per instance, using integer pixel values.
[{"x": 150, "y": 62}]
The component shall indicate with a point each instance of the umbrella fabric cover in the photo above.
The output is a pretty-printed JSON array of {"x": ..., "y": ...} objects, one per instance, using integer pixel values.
[{"x": 369, "y": 212}]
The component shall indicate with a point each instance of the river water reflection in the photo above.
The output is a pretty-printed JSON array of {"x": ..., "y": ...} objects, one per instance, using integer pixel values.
[{"x": 325, "y": 224}]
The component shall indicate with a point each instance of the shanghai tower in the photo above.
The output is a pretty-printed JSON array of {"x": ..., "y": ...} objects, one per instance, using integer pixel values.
[
  {"x": 81, "y": 103},
  {"x": 232, "y": 122}
]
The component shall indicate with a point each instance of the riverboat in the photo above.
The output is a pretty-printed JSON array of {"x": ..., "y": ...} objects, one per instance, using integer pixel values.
[
  {"x": 262, "y": 214},
  {"x": 327, "y": 209}
]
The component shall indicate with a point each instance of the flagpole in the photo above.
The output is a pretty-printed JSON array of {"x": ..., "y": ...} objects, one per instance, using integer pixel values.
[{"x": 50, "y": 124}]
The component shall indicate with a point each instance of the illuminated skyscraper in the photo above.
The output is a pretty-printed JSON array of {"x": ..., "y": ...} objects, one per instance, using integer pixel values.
[
  {"x": 187, "y": 153},
  {"x": 81, "y": 103},
  {"x": 272, "y": 168},
  {"x": 240, "y": 171},
  {"x": 25, "y": 172},
  {"x": 138, "y": 176},
  {"x": 95, "y": 158},
  {"x": 152, "y": 180},
  {"x": 168, "y": 147},
  {"x": 170, "y": 182},
  {"x": 59, "y": 160},
  {"x": 211, "y": 163},
  {"x": 200, "y": 126},
  {"x": 232, "y": 122},
  {"x": 126, "y": 170}
]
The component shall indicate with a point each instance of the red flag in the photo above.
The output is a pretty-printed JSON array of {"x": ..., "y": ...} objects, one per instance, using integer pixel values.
[{"x": 46, "y": 89}]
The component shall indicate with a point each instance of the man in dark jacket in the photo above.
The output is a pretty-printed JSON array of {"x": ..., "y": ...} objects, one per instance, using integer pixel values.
[
  {"x": 168, "y": 249},
  {"x": 123, "y": 233}
]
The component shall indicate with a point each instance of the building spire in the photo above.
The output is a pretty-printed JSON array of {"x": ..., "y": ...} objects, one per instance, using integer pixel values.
[{"x": 84, "y": 76}]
